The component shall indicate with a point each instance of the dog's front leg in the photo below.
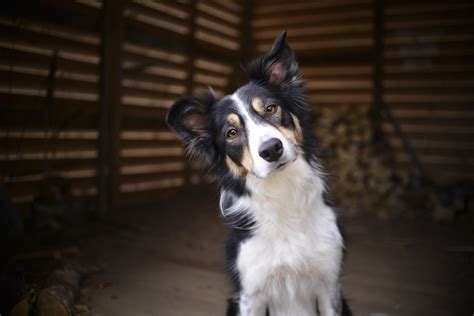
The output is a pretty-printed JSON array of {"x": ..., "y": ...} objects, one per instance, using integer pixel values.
[
  {"x": 252, "y": 305},
  {"x": 329, "y": 301}
]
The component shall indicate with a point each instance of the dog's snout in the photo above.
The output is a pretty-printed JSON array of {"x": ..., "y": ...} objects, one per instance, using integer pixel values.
[{"x": 271, "y": 150}]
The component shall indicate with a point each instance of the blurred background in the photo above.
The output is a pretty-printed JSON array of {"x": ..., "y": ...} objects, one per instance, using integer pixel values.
[{"x": 102, "y": 214}]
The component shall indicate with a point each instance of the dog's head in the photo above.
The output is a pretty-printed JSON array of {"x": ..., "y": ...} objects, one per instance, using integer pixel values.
[{"x": 256, "y": 130}]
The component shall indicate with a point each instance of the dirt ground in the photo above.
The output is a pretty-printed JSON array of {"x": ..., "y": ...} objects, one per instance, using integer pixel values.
[{"x": 167, "y": 259}]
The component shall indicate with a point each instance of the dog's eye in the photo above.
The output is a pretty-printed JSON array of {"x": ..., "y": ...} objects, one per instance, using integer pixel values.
[
  {"x": 272, "y": 108},
  {"x": 232, "y": 133}
]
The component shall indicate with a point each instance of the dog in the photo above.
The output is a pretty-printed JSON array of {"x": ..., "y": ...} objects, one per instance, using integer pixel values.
[{"x": 285, "y": 249}]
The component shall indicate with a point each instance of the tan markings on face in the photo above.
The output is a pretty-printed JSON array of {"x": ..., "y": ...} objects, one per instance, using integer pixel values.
[
  {"x": 247, "y": 159},
  {"x": 298, "y": 132},
  {"x": 234, "y": 120},
  {"x": 258, "y": 106},
  {"x": 288, "y": 133},
  {"x": 294, "y": 135},
  {"x": 234, "y": 168}
]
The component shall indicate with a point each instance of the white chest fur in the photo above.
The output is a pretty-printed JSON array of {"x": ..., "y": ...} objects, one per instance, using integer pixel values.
[{"x": 295, "y": 253}]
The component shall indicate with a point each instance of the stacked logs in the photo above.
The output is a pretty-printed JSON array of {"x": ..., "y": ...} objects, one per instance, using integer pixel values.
[{"x": 360, "y": 177}]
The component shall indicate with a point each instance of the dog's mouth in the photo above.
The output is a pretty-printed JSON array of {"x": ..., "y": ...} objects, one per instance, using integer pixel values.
[{"x": 277, "y": 166}]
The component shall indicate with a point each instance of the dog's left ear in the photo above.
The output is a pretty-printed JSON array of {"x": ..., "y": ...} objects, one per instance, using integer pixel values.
[{"x": 277, "y": 66}]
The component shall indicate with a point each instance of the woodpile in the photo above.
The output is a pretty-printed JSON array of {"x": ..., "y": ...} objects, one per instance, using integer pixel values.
[{"x": 360, "y": 177}]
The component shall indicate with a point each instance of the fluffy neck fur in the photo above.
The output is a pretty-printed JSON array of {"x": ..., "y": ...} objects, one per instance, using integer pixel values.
[{"x": 281, "y": 201}]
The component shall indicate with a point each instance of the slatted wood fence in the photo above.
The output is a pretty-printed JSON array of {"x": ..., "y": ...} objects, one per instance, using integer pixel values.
[
  {"x": 50, "y": 80},
  {"x": 50, "y": 91},
  {"x": 427, "y": 73}
]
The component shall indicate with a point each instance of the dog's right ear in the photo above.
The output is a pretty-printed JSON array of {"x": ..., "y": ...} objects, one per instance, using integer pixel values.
[{"x": 189, "y": 118}]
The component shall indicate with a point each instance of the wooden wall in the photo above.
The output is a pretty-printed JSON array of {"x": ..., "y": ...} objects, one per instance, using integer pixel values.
[
  {"x": 427, "y": 68},
  {"x": 50, "y": 80},
  {"x": 429, "y": 82},
  {"x": 50, "y": 90}
]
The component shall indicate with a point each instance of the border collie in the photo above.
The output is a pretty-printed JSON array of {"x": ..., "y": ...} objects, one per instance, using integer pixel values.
[{"x": 285, "y": 249}]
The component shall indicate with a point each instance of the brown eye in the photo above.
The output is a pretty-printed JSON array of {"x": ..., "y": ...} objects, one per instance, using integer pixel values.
[
  {"x": 231, "y": 134},
  {"x": 272, "y": 108}
]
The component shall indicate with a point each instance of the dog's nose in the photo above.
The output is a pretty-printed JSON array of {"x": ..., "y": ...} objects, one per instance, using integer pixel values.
[{"x": 271, "y": 150}]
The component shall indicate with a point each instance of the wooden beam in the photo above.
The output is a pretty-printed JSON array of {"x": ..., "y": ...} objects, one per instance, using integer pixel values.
[
  {"x": 191, "y": 47},
  {"x": 247, "y": 48},
  {"x": 377, "y": 77},
  {"x": 110, "y": 105}
]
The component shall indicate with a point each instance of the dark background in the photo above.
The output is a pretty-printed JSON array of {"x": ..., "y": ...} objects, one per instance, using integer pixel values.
[{"x": 94, "y": 182}]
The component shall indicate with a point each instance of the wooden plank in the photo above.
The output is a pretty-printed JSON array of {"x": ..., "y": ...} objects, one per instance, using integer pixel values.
[
  {"x": 452, "y": 130},
  {"x": 285, "y": 8},
  {"x": 419, "y": 8},
  {"x": 15, "y": 144},
  {"x": 338, "y": 84},
  {"x": 303, "y": 31},
  {"x": 441, "y": 92},
  {"x": 307, "y": 18},
  {"x": 140, "y": 76},
  {"x": 175, "y": 15},
  {"x": 150, "y": 185},
  {"x": 207, "y": 36},
  {"x": 150, "y": 54},
  {"x": 148, "y": 93},
  {"x": 150, "y": 143},
  {"x": 171, "y": 151},
  {"x": 358, "y": 71},
  {"x": 436, "y": 159},
  {"x": 446, "y": 114},
  {"x": 427, "y": 98},
  {"x": 430, "y": 135},
  {"x": 145, "y": 102},
  {"x": 144, "y": 160},
  {"x": 156, "y": 19},
  {"x": 40, "y": 82},
  {"x": 428, "y": 39},
  {"x": 447, "y": 30},
  {"x": 210, "y": 80},
  {"x": 21, "y": 167},
  {"x": 70, "y": 118},
  {"x": 437, "y": 144},
  {"x": 218, "y": 31},
  {"x": 435, "y": 55},
  {"x": 17, "y": 57},
  {"x": 324, "y": 45},
  {"x": 227, "y": 6},
  {"x": 217, "y": 13},
  {"x": 22, "y": 102},
  {"x": 29, "y": 37},
  {"x": 129, "y": 179},
  {"x": 64, "y": 13},
  {"x": 428, "y": 69},
  {"x": 201, "y": 15},
  {"x": 144, "y": 112},
  {"x": 338, "y": 98},
  {"x": 435, "y": 83},
  {"x": 174, "y": 8},
  {"x": 424, "y": 24},
  {"x": 148, "y": 36}
]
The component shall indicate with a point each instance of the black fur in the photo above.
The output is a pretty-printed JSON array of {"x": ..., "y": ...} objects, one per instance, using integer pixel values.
[{"x": 200, "y": 121}]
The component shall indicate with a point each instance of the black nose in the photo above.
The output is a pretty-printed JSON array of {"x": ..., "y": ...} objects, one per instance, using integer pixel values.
[{"x": 271, "y": 150}]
